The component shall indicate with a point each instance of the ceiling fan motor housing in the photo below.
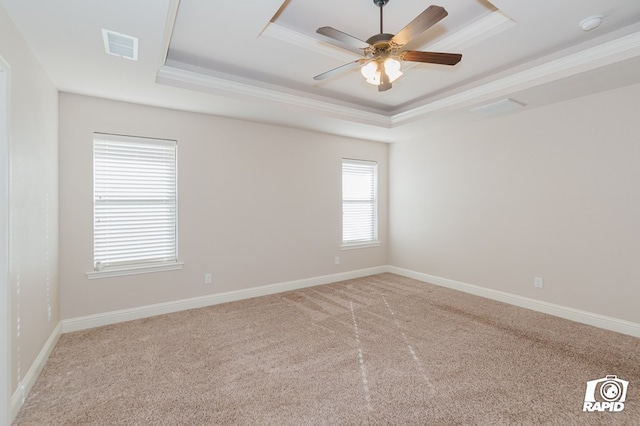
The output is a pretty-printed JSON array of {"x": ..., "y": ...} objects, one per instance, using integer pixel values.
[
  {"x": 380, "y": 45},
  {"x": 380, "y": 3},
  {"x": 380, "y": 38}
]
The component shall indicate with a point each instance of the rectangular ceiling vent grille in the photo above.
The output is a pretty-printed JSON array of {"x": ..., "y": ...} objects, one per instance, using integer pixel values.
[{"x": 121, "y": 45}]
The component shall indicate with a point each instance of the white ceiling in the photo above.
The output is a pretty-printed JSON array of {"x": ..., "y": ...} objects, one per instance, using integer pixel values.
[{"x": 256, "y": 60}]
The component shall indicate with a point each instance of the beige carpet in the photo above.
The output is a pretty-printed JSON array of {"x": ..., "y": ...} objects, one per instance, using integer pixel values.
[{"x": 381, "y": 350}]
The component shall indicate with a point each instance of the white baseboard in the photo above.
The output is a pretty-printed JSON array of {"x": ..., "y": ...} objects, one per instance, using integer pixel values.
[
  {"x": 98, "y": 320},
  {"x": 596, "y": 320},
  {"x": 27, "y": 382}
]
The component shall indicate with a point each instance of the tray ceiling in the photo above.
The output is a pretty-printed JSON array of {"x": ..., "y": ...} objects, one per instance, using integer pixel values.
[{"x": 256, "y": 59}]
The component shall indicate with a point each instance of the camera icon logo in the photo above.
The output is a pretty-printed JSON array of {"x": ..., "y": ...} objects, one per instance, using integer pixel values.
[{"x": 606, "y": 394}]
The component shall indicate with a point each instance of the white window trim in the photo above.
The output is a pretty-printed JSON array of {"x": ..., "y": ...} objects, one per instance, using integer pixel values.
[
  {"x": 137, "y": 268},
  {"x": 364, "y": 244},
  {"x": 353, "y": 246},
  {"x": 134, "y": 270}
]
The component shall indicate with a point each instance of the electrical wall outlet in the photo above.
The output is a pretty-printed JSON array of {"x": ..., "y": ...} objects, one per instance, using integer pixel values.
[
  {"x": 538, "y": 282},
  {"x": 337, "y": 260},
  {"x": 207, "y": 278}
]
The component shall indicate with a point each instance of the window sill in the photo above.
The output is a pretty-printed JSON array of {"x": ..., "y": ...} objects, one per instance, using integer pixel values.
[
  {"x": 353, "y": 246},
  {"x": 134, "y": 270}
]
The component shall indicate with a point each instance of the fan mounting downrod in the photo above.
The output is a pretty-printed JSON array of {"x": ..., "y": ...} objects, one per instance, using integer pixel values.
[{"x": 382, "y": 37}]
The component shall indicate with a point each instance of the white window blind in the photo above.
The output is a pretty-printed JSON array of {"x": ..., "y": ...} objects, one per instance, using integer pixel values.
[
  {"x": 134, "y": 201},
  {"x": 359, "y": 201}
]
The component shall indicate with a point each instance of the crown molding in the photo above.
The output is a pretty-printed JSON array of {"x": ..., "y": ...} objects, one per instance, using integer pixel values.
[
  {"x": 523, "y": 77},
  {"x": 224, "y": 84},
  {"x": 608, "y": 53},
  {"x": 172, "y": 13},
  {"x": 187, "y": 76}
]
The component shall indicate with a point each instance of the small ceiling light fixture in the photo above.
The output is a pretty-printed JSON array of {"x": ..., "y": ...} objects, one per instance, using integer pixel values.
[{"x": 588, "y": 24}]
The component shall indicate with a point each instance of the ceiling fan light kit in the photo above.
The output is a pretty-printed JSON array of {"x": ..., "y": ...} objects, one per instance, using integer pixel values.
[
  {"x": 373, "y": 70},
  {"x": 383, "y": 54}
]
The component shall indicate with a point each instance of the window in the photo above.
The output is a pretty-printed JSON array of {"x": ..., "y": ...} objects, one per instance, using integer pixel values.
[
  {"x": 134, "y": 204},
  {"x": 359, "y": 203}
]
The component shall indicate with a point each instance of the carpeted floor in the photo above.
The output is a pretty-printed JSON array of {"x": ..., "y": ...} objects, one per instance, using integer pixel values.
[{"x": 381, "y": 350}]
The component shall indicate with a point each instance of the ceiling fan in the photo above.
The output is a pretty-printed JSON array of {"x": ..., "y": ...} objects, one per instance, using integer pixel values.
[{"x": 383, "y": 52}]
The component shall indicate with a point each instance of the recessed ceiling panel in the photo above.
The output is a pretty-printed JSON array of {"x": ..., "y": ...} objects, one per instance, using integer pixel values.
[
  {"x": 288, "y": 52},
  {"x": 256, "y": 59}
]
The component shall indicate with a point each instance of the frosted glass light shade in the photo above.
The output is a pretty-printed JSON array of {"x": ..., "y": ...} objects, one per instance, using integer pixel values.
[
  {"x": 369, "y": 70},
  {"x": 392, "y": 69},
  {"x": 372, "y": 71}
]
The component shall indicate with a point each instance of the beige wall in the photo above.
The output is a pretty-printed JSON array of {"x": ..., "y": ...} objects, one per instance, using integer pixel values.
[
  {"x": 33, "y": 201},
  {"x": 258, "y": 204},
  {"x": 552, "y": 192}
]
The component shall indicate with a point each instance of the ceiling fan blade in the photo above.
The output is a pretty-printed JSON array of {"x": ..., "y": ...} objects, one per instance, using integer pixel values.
[
  {"x": 420, "y": 24},
  {"x": 338, "y": 70},
  {"x": 347, "y": 41},
  {"x": 431, "y": 57}
]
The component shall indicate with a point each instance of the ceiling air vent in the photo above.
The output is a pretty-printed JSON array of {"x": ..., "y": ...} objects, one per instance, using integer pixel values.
[
  {"x": 122, "y": 45},
  {"x": 500, "y": 107}
]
